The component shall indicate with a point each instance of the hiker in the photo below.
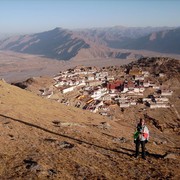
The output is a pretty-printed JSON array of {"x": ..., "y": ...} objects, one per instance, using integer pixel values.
[{"x": 141, "y": 137}]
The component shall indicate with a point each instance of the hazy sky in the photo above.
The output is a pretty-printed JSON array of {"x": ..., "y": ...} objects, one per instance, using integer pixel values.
[{"x": 28, "y": 16}]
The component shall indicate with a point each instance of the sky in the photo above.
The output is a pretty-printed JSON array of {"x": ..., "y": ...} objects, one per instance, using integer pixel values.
[{"x": 31, "y": 16}]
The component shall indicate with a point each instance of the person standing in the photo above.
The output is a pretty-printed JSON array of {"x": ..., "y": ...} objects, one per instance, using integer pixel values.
[{"x": 141, "y": 137}]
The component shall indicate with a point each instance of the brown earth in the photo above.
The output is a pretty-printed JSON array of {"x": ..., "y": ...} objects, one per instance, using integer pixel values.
[
  {"x": 42, "y": 139},
  {"x": 15, "y": 67}
]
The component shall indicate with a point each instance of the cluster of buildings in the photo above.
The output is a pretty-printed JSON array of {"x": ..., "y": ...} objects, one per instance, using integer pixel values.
[{"x": 97, "y": 91}]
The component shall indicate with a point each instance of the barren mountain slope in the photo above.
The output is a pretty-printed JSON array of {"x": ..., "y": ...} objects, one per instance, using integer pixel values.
[
  {"x": 163, "y": 41},
  {"x": 64, "y": 44},
  {"x": 57, "y": 43},
  {"x": 42, "y": 139}
]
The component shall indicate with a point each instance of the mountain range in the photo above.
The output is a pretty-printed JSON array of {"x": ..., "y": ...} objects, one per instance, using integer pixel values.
[
  {"x": 66, "y": 44},
  {"x": 167, "y": 41}
]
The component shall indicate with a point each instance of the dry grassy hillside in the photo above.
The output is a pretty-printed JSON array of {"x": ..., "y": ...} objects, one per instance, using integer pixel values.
[{"x": 42, "y": 139}]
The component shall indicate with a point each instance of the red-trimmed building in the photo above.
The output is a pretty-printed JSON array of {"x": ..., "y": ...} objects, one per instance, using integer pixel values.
[{"x": 114, "y": 85}]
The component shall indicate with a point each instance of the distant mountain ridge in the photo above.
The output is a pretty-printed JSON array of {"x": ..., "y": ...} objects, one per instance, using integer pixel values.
[
  {"x": 64, "y": 44},
  {"x": 57, "y": 43},
  {"x": 167, "y": 41},
  {"x": 115, "y": 37}
]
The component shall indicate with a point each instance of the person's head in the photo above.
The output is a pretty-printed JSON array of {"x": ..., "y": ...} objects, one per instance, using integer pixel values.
[{"x": 142, "y": 121}]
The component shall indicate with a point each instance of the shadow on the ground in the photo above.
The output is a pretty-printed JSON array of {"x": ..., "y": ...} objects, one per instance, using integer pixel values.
[
  {"x": 157, "y": 156},
  {"x": 125, "y": 150}
]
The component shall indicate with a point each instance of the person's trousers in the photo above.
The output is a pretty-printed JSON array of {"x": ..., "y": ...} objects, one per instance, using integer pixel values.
[{"x": 142, "y": 143}]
